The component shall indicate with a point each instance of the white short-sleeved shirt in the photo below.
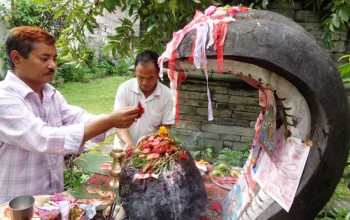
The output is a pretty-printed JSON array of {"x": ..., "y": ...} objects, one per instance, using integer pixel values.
[{"x": 159, "y": 108}]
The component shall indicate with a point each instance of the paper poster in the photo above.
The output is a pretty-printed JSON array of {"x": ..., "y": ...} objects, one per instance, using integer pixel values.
[
  {"x": 280, "y": 175},
  {"x": 237, "y": 199},
  {"x": 268, "y": 127}
]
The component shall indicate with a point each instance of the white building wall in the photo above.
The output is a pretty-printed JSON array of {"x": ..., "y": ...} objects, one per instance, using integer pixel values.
[{"x": 106, "y": 27}]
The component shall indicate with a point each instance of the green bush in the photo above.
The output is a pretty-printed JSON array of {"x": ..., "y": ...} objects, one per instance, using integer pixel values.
[
  {"x": 5, "y": 65},
  {"x": 93, "y": 68},
  {"x": 235, "y": 158},
  {"x": 203, "y": 153}
]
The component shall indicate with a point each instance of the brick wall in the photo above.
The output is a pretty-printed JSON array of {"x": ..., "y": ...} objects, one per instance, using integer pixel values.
[
  {"x": 235, "y": 109},
  {"x": 312, "y": 22}
]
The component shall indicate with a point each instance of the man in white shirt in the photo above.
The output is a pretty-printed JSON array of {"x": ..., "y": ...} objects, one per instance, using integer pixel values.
[{"x": 155, "y": 98}]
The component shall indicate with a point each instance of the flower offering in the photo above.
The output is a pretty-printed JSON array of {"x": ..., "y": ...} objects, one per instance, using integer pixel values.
[{"x": 157, "y": 153}]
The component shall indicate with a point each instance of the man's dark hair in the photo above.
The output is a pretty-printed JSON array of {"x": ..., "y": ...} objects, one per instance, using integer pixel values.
[
  {"x": 23, "y": 38},
  {"x": 147, "y": 56}
]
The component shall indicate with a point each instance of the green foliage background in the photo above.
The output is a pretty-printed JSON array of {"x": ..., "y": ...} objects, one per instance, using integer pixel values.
[{"x": 70, "y": 19}]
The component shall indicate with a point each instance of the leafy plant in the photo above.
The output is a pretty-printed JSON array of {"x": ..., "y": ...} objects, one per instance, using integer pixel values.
[
  {"x": 5, "y": 65},
  {"x": 337, "y": 20},
  {"x": 29, "y": 13},
  {"x": 158, "y": 20},
  {"x": 91, "y": 68},
  {"x": 344, "y": 70},
  {"x": 74, "y": 177},
  {"x": 333, "y": 210},
  {"x": 236, "y": 158},
  {"x": 202, "y": 152}
]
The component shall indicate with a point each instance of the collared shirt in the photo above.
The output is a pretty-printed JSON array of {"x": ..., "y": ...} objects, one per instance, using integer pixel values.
[
  {"x": 159, "y": 108},
  {"x": 34, "y": 137}
]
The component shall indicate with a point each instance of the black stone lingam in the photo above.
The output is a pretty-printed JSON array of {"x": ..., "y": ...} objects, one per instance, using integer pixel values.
[{"x": 178, "y": 194}]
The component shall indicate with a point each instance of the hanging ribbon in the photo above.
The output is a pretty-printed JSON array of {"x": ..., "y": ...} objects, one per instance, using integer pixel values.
[
  {"x": 180, "y": 78},
  {"x": 210, "y": 108},
  {"x": 215, "y": 20},
  {"x": 221, "y": 31}
]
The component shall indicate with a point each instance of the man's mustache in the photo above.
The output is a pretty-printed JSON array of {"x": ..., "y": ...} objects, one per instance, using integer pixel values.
[{"x": 51, "y": 71}]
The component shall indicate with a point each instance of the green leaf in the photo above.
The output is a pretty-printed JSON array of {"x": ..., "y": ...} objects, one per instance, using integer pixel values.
[
  {"x": 172, "y": 6},
  {"x": 344, "y": 70},
  {"x": 344, "y": 15},
  {"x": 40, "y": 1},
  {"x": 124, "y": 8},
  {"x": 161, "y": 1},
  {"x": 197, "y": 1},
  {"x": 90, "y": 162},
  {"x": 344, "y": 57},
  {"x": 265, "y": 3},
  {"x": 59, "y": 13},
  {"x": 346, "y": 9},
  {"x": 67, "y": 30},
  {"x": 336, "y": 21},
  {"x": 152, "y": 26},
  {"x": 89, "y": 27},
  {"x": 164, "y": 18}
]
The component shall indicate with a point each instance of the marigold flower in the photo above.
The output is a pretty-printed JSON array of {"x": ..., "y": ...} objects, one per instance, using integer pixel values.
[{"x": 163, "y": 131}]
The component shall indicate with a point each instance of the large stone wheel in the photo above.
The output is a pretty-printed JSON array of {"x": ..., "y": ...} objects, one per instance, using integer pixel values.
[{"x": 273, "y": 50}]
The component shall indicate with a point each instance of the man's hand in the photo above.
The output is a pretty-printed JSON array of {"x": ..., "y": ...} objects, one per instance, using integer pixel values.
[
  {"x": 121, "y": 118},
  {"x": 124, "y": 117},
  {"x": 128, "y": 147},
  {"x": 143, "y": 138}
]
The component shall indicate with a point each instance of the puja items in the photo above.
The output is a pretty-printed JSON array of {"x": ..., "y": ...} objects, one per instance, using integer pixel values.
[
  {"x": 160, "y": 180},
  {"x": 116, "y": 166},
  {"x": 22, "y": 207},
  {"x": 58, "y": 207}
]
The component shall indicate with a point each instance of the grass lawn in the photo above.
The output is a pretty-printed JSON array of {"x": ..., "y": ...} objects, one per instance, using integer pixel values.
[{"x": 96, "y": 96}]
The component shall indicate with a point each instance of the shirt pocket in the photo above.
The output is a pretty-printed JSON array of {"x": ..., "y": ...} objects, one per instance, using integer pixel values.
[
  {"x": 54, "y": 118},
  {"x": 155, "y": 119}
]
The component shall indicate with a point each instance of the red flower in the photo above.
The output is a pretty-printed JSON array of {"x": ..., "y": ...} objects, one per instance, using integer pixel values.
[
  {"x": 163, "y": 149},
  {"x": 129, "y": 153},
  {"x": 156, "y": 151},
  {"x": 216, "y": 206},
  {"x": 183, "y": 156},
  {"x": 142, "y": 110},
  {"x": 204, "y": 218}
]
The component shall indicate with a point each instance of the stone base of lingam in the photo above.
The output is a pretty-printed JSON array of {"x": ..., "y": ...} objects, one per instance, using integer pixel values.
[{"x": 176, "y": 194}]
